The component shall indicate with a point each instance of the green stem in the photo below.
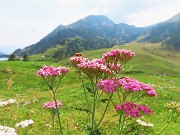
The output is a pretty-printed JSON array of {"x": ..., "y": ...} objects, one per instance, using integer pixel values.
[
  {"x": 119, "y": 96},
  {"x": 58, "y": 84},
  {"x": 93, "y": 111},
  {"x": 139, "y": 97},
  {"x": 59, "y": 120},
  {"x": 99, "y": 96},
  {"x": 82, "y": 81},
  {"x": 87, "y": 101},
  {"x": 122, "y": 124},
  {"x": 46, "y": 82},
  {"x": 168, "y": 123},
  {"x": 113, "y": 103},
  {"x": 132, "y": 97},
  {"x": 119, "y": 123},
  {"x": 105, "y": 110}
]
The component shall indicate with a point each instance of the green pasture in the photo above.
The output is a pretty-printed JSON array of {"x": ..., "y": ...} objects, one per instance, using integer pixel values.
[{"x": 152, "y": 65}]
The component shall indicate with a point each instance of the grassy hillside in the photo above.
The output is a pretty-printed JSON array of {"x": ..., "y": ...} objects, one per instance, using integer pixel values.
[
  {"x": 152, "y": 65},
  {"x": 47, "y": 55}
]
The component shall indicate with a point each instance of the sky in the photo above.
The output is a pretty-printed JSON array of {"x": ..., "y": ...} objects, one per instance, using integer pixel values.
[{"x": 25, "y": 22}]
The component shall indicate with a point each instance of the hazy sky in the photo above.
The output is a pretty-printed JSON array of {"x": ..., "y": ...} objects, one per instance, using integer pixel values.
[{"x": 25, "y": 22}]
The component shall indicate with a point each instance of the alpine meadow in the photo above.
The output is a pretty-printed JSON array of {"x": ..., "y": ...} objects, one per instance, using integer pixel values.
[{"x": 94, "y": 77}]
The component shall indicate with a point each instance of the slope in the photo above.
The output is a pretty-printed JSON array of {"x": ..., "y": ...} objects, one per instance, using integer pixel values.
[
  {"x": 94, "y": 31},
  {"x": 167, "y": 32},
  {"x": 31, "y": 92}
]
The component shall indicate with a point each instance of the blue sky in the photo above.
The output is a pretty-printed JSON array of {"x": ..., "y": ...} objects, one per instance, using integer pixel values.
[{"x": 25, "y": 22}]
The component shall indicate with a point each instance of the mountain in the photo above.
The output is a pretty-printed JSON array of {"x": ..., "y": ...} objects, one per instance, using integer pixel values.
[
  {"x": 91, "y": 32},
  {"x": 98, "y": 31},
  {"x": 174, "y": 19},
  {"x": 167, "y": 32},
  {"x": 2, "y": 55}
]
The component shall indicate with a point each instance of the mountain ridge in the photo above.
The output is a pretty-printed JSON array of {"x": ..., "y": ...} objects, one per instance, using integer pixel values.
[
  {"x": 2, "y": 53},
  {"x": 167, "y": 32},
  {"x": 98, "y": 31}
]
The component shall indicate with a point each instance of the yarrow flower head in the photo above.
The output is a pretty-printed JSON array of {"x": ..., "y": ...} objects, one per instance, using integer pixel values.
[
  {"x": 149, "y": 90},
  {"x": 77, "y": 60},
  {"x": 94, "y": 67},
  {"x": 7, "y": 130},
  {"x": 107, "y": 85},
  {"x": 143, "y": 123},
  {"x": 115, "y": 56},
  {"x": 133, "y": 110},
  {"x": 52, "y": 104},
  {"x": 128, "y": 84},
  {"x": 52, "y": 71},
  {"x": 25, "y": 123},
  {"x": 116, "y": 68},
  {"x": 9, "y": 101},
  {"x": 173, "y": 106}
]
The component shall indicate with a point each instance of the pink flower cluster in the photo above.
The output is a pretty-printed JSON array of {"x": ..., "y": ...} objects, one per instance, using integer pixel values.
[
  {"x": 134, "y": 85},
  {"x": 133, "y": 110},
  {"x": 115, "y": 67},
  {"x": 149, "y": 90},
  {"x": 107, "y": 85},
  {"x": 130, "y": 84},
  {"x": 98, "y": 61},
  {"x": 127, "y": 84},
  {"x": 90, "y": 67},
  {"x": 77, "y": 60},
  {"x": 52, "y": 105},
  {"x": 117, "y": 55},
  {"x": 52, "y": 71}
]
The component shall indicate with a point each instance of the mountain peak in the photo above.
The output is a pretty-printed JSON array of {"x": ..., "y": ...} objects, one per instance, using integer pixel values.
[
  {"x": 175, "y": 18},
  {"x": 97, "y": 18},
  {"x": 94, "y": 21}
]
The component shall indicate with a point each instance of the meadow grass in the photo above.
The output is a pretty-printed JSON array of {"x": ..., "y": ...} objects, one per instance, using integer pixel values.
[{"x": 152, "y": 65}]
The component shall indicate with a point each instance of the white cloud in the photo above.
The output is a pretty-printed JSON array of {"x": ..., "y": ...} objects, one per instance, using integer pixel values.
[
  {"x": 23, "y": 23},
  {"x": 154, "y": 15}
]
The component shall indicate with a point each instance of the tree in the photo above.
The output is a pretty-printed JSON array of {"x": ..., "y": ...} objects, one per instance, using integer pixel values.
[
  {"x": 25, "y": 57},
  {"x": 12, "y": 57}
]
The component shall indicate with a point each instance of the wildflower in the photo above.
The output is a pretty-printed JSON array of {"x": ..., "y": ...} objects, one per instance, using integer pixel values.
[
  {"x": 48, "y": 126},
  {"x": 133, "y": 110},
  {"x": 99, "y": 61},
  {"x": 7, "y": 130},
  {"x": 173, "y": 106},
  {"x": 52, "y": 71},
  {"x": 150, "y": 125},
  {"x": 94, "y": 68},
  {"x": 134, "y": 85},
  {"x": 130, "y": 84},
  {"x": 143, "y": 123},
  {"x": 149, "y": 90},
  {"x": 115, "y": 56},
  {"x": 107, "y": 85},
  {"x": 115, "y": 67},
  {"x": 25, "y": 123},
  {"x": 9, "y": 101},
  {"x": 52, "y": 105},
  {"x": 77, "y": 60},
  {"x": 145, "y": 109}
]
